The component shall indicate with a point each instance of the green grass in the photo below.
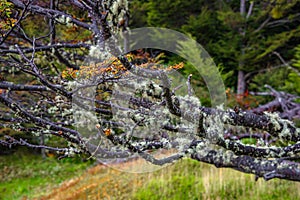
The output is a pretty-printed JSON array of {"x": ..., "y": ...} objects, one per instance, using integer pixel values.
[
  {"x": 189, "y": 179},
  {"x": 26, "y": 175},
  {"x": 23, "y": 174}
]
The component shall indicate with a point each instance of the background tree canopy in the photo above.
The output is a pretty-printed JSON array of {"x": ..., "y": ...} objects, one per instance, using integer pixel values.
[{"x": 230, "y": 37}]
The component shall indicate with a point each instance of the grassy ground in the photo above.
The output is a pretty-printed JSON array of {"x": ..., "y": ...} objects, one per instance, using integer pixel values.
[
  {"x": 186, "y": 179},
  {"x": 31, "y": 177},
  {"x": 191, "y": 180},
  {"x": 27, "y": 175}
]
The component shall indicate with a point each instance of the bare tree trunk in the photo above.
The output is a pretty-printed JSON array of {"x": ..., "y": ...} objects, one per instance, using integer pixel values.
[
  {"x": 241, "y": 83},
  {"x": 52, "y": 24}
]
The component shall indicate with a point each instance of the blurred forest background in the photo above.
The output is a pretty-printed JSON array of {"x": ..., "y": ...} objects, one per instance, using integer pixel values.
[
  {"x": 262, "y": 43},
  {"x": 253, "y": 46}
]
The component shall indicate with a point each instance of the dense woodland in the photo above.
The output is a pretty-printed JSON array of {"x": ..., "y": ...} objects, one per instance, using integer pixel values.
[{"x": 67, "y": 87}]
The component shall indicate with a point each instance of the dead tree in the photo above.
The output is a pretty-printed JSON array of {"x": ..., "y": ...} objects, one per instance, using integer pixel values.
[{"x": 144, "y": 113}]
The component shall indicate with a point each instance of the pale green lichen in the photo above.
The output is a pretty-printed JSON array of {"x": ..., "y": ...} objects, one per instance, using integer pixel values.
[
  {"x": 274, "y": 119},
  {"x": 221, "y": 107},
  {"x": 214, "y": 127},
  {"x": 52, "y": 110},
  {"x": 226, "y": 118},
  {"x": 96, "y": 51}
]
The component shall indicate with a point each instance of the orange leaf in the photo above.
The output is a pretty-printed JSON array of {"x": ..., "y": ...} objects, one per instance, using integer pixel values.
[{"x": 107, "y": 132}]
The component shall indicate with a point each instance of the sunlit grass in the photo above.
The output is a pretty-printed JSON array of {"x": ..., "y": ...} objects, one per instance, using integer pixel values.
[
  {"x": 186, "y": 179},
  {"x": 31, "y": 177},
  {"x": 192, "y": 180}
]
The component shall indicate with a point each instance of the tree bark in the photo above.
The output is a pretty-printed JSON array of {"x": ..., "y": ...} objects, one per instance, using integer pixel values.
[{"x": 241, "y": 83}]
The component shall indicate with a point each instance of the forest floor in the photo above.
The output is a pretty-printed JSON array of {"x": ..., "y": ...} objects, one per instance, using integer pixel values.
[{"x": 24, "y": 176}]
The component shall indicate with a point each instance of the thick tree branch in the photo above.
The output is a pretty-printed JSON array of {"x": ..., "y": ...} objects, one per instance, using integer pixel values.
[{"x": 50, "y": 13}]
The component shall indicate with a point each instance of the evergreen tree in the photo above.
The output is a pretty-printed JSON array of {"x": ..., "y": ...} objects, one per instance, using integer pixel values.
[{"x": 243, "y": 37}]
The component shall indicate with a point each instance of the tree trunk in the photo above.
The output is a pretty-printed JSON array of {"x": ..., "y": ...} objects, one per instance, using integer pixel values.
[{"x": 241, "y": 83}]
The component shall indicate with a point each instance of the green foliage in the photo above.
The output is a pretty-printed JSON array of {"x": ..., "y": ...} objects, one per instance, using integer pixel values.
[
  {"x": 204, "y": 27},
  {"x": 276, "y": 41},
  {"x": 274, "y": 77},
  {"x": 296, "y": 60},
  {"x": 5, "y": 8},
  {"x": 138, "y": 13},
  {"x": 177, "y": 13},
  {"x": 257, "y": 41},
  {"x": 293, "y": 81},
  {"x": 224, "y": 33},
  {"x": 280, "y": 7},
  {"x": 33, "y": 26},
  {"x": 6, "y": 21},
  {"x": 249, "y": 141},
  {"x": 292, "y": 84},
  {"x": 282, "y": 79}
]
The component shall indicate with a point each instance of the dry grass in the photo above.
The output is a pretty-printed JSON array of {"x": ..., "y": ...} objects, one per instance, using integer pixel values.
[
  {"x": 99, "y": 182},
  {"x": 183, "y": 180}
]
